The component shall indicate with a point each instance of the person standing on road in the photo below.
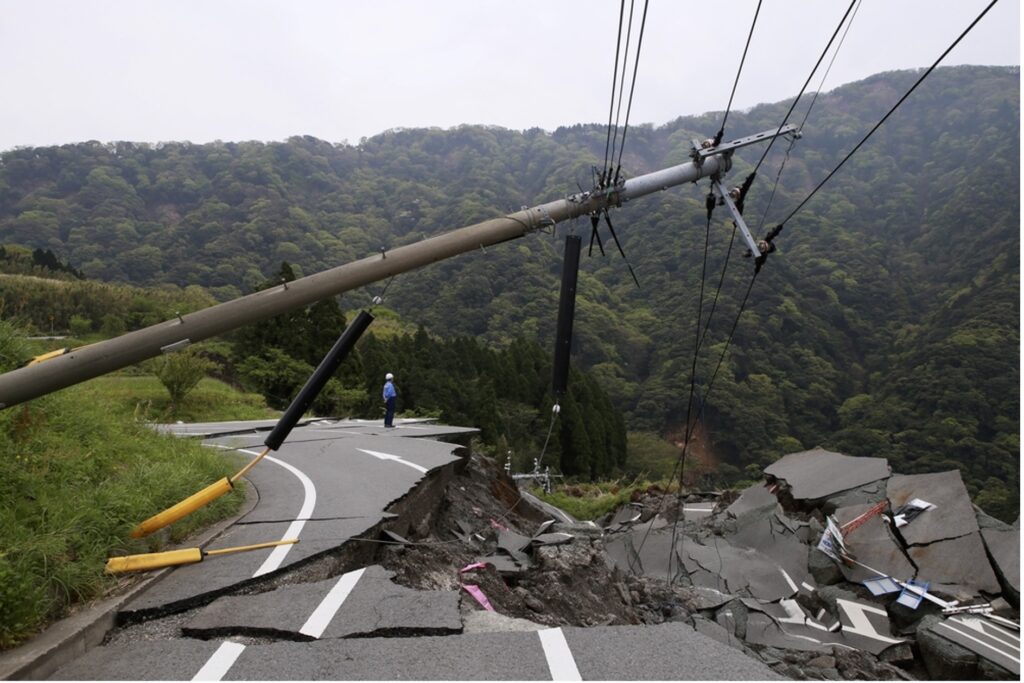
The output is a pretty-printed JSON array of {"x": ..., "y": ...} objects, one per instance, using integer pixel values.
[{"x": 389, "y": 400}]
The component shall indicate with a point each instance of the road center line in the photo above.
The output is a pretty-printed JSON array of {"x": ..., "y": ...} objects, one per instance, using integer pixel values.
[
  {"x": 329, "y": 606},
  {"x": 219, "y": 662},
  {"x": 278, "y": 554},
  {"x": 388, "y": 456},
  {"x": 559, "y": 656}
]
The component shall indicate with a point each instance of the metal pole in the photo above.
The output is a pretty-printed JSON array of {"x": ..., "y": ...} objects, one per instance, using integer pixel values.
[{"x": 102, "y": 357}]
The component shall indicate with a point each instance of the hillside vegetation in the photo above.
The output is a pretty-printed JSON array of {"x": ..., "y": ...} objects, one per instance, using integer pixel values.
[
  {"x": 887, "y": 323},
  {"x": 77, "y": 474}
]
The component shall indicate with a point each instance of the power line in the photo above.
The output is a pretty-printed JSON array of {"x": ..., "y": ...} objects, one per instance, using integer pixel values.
[
  {"x": 728, "y": 108},
  {"x": 806, "y": 83},
  {"x": 632, "y": 87},
  {"x": 611, "y": 105},
  {"x": 807, "y": 114},
  {"x": 888, "y": 114}
]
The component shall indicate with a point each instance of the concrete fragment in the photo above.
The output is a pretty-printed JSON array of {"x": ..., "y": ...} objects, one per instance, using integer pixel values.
[
  {"x": 988, "y": 641},
  {"x": 943, "y": 658},
  {"x": 743, "y": 569},
  {"x": 700, "y": 597},
  {"x": 823, "y": 568},
  {"x": 774, "y": 536},
  {"x": 482, "y": 621},
  {"x": 872, "y": 544},
  {"x": 552, "y": 539},
  {"x": 957, "y": 567},
  {"x": 818, "y": 474},
  {"x": 952, "y": 516},
  {"x": 1004, "y": 548},
  {"x": 757, "y": 498}
]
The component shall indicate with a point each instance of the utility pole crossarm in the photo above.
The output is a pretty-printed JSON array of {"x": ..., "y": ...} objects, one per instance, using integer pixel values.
[
  {"x": 701, "y": 152},
  {"x": 78, "y": 365}
]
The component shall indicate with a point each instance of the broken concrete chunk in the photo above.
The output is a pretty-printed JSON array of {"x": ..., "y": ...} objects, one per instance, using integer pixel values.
[
  {"x": 1004, "y": 549},
  {"x": 392, "y": 536},
  {"x": 699, "y": 597},
  {"x": 951, "y": 647},
  {"x": 512, "y": 542},
  {"x": 953, "y": 515},
  {"x": 818, "y": 474},
  {"x": 628, "y": 514},
  {"x": 873, "y": 545},
  {"x": 957, "y": 567},
  {"x": 757, "y": 498},
  {"x": 505, "y": 565},
  {"x": 552, "y": 539},
  {"x": 482, "y": 621}
]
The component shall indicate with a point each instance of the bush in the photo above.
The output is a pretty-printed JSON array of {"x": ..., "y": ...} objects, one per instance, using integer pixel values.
[{"x": 180, "y": 372}]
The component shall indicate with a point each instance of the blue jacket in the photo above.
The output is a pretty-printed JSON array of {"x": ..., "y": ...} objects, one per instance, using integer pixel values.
[{"x": 389, "y": 390}]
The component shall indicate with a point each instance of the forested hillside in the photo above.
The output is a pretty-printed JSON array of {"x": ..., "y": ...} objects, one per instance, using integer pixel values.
[{"x": 886, "y": 324}]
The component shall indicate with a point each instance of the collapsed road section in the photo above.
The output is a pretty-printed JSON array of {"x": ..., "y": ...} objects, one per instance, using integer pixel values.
[
  {"x": 833, "y": 554},
  {"x": 826, "y": 570},
  {"x": 392, "y": 578}
]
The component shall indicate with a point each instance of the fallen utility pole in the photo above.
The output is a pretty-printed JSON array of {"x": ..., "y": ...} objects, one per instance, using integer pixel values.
[{"x": 78, "y": 365}]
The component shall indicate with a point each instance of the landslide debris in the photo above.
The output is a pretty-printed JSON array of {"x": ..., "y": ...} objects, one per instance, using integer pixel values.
[{"x": 721, "y": 571}]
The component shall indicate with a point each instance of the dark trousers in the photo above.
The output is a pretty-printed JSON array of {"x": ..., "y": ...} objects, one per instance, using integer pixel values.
[{"x": 389, "y": 414}]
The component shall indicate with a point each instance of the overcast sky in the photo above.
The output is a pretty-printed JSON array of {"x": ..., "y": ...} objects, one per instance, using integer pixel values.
[{"x": 200, "y": 70}]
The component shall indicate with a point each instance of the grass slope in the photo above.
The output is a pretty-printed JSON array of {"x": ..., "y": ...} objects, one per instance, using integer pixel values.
[{"x": 78, "y": 472}]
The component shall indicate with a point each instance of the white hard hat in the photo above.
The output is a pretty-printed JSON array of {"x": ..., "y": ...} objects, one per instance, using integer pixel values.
[{"x": 389, "y": 376}]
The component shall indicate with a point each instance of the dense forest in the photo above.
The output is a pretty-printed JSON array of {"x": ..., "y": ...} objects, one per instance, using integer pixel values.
[{"x": 886, "y": 324}]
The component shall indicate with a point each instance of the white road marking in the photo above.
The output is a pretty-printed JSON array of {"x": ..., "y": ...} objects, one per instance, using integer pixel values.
[
  {"x": 962, "y": 623},
  {"x": 789, "y": 580},
  {"x": 295, "y": 528},
  {"x": 388, "y": 456},
  {"x": 278, "y": 554},
  {"x": 329, "y": 606},
  {"x": 860, "y": 624},
  {"x": 559, "y": 656},
  {"x": 219, "y": 662}
]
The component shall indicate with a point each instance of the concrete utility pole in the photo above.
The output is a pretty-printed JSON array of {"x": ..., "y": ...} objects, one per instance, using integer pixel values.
[{"x": 102, "y": 357}]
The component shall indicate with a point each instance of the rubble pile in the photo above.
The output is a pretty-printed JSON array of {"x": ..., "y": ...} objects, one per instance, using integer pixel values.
[
  {"x": 833, "y": 568},
  {"x": 834, "y": 554}
]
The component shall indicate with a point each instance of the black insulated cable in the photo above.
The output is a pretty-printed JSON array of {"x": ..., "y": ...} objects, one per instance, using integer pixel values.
[
  {"x": 889, "y": 113},
  {"x": 806, "y": 83},
  {"x": 632, "y": 87},
  {"x": 728, "y": 108},
  {"x": 611, "y": 106}
]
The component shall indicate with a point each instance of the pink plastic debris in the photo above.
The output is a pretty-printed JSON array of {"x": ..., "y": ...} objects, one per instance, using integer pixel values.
[
  {"x": 475, "y": 565},
  {"x": 478, "y": 595}
]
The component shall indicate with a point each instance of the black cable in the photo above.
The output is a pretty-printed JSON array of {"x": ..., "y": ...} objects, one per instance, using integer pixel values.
[
  {"x": 611, "y": 106},
  {"x": 807, "y": 114},
  {"x": 721, "y": 130},
  {"x": 889, "y": 113},
  {"x": 806, "y": 83},
  {"x": 622, "y": 85},
  {"x": 718, "y": 290},
  {"x": 632, "y": 87}
]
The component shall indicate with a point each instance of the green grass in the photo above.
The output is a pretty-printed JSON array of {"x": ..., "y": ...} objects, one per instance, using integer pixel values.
[
  {"x": 593, "y": 500},
  {"x": 144, "y": 398},
  {"x": 79, "y": 470}
]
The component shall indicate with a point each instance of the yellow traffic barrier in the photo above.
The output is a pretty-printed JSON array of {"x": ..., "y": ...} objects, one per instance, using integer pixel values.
[
  {"x": 172, "y": 558},
  {"x": 185, "y": 507},
  {"x": 193, "y": 502}
]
